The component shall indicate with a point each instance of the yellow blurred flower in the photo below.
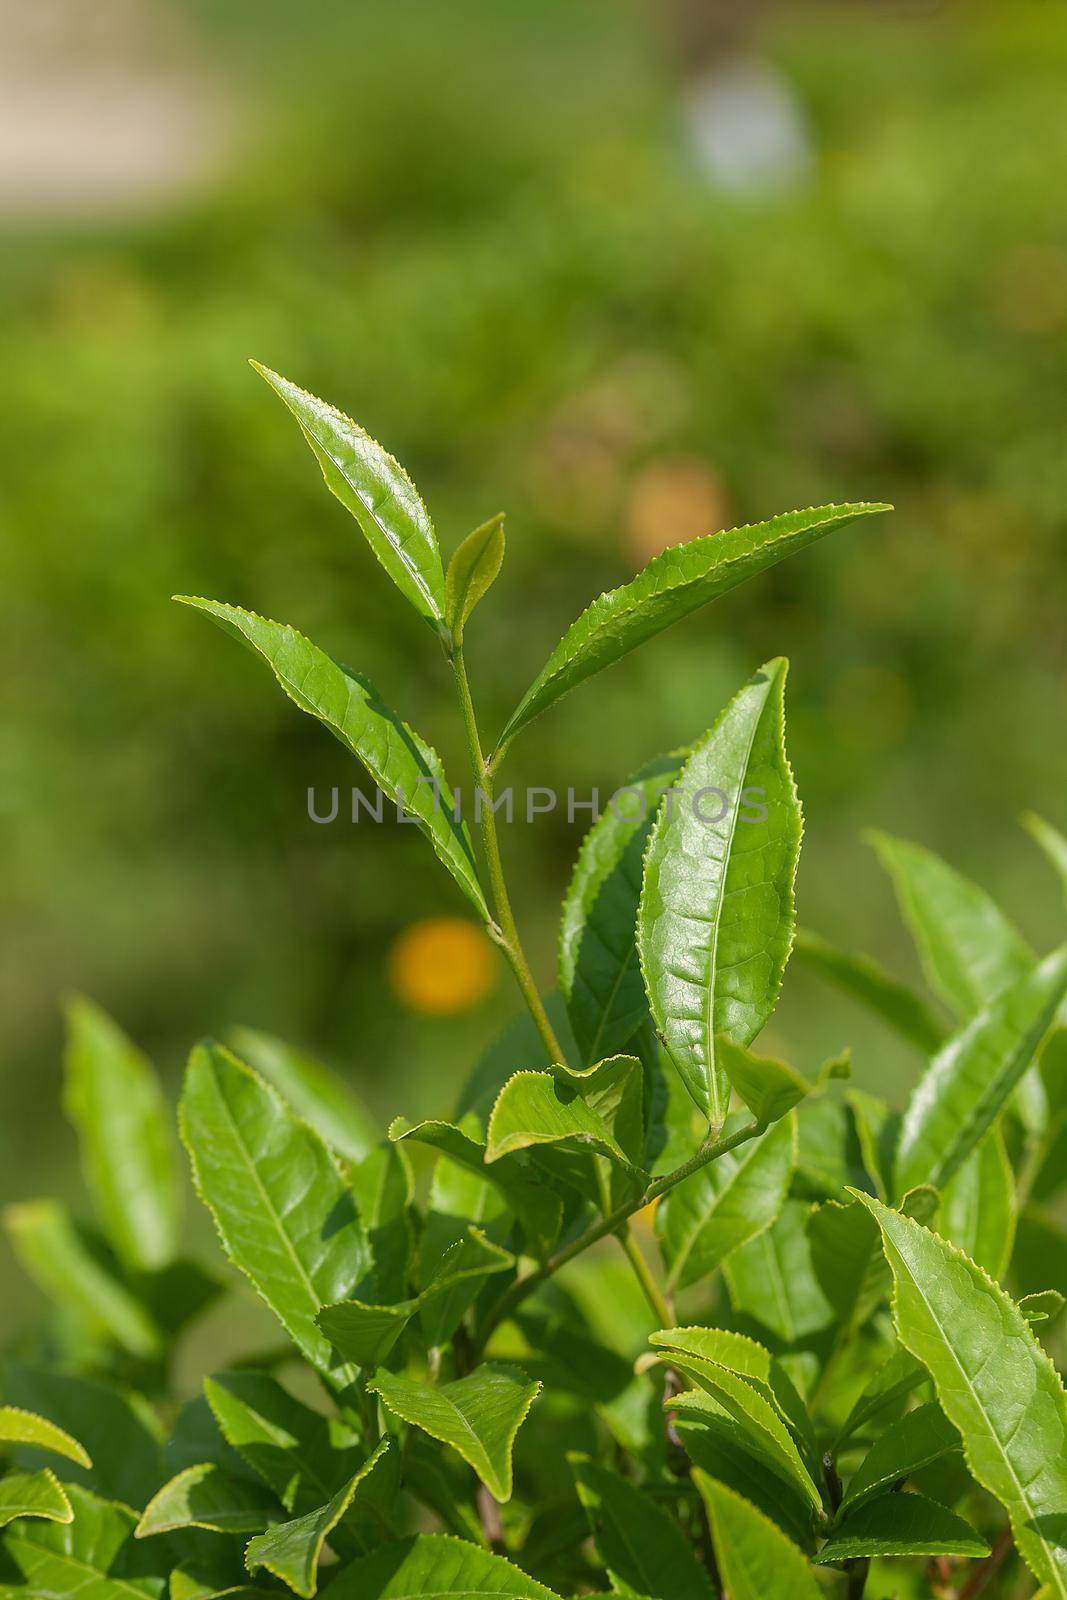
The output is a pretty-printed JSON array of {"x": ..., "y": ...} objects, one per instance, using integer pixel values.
[{"x": 442, "y": 966}]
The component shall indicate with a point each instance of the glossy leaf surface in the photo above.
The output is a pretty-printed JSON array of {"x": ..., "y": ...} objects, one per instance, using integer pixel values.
[{"x": 920, "y": 1436}]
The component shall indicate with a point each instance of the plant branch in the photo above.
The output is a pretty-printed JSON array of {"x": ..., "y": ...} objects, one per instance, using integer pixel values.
[
  {"x": 983, "y": 1574},
  {"x": 504, "y": 931},
  {"x": 645, "y": 1277},
  {"x": 517, "y": 1291}
]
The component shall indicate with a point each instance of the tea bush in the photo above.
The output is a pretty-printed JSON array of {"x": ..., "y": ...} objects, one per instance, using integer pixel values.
[{"x": 822, "y": 1372}]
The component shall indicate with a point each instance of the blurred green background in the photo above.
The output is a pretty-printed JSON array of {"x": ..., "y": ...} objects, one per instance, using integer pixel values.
[{"x": 628, "y": 271}]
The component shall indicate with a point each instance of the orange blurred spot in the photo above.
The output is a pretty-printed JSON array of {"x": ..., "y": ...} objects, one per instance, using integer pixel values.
[
  {"x": 671, "y": 502},
  {"x": 442, "y": 966}
]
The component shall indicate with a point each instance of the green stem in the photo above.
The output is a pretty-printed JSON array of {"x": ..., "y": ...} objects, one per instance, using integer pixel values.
[
  {"x": 645, "y": 1277},
  {"x": 517, "y": 1291},
  {"x": 504, "y": 930}
]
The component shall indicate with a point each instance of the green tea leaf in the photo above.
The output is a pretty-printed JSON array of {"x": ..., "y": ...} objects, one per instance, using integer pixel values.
[
  {"x": 716, "y": 918},
  {"x": 994, "y": 1382},
  {"x": 722, "y": 1455},
  {"x": 769, "y": 1088},
  {"x": 639, "y": 1543},
  {"x": 919, "y": 1437},
  {"x": 904, "y": 1010},
  {"x": 291, "y": 1550},
  {"x": 434, "y": 1566},
  {"x": 378, "y": 493},
  {"x": 899, "y": 1376},
  {"x": 772, "y": 1279},
  {"x": 25, "y": 1427},
  {"x": 93, "y": 1556},
  {"x": 282, "y": 1210},
  {"x": 1042, "y": 1306},
  {"x": 756, "y": 1560},
  {"x": 67, "y": 1262},
  {"x": 112, "y": 1096},
  {"x": 978, "y": 1206},
  {"x": 725, "y": 1204},
  {"x": 902, "y": 1525},
  {"x": 402, "y": 764},
  {"x": 33, "y": 1494},
  {"x": 478, "y": 1415},
  {"x": 315, "y": 1093},
  {"x": 877, "y": 1130},
  {"x": 536, "y": 1207},
  {"x": 673, "y": 585},
  {"x": 721, "y": 1391},
  {"x": 472, "y": 572},
  {"x": 301, "y": 1455},
  {"x": 205, "y": 1496},
  {"x": 970, "y": 1079},
  {"x": 1051, "y": 841},
  {"x": 556, "y": 1112},
  {"x": 749, "y": 1360},
  {"x": 599, "y": 970}
]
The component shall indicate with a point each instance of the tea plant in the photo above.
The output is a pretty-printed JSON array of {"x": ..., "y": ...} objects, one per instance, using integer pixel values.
[{"x": 663, "y": 1316}]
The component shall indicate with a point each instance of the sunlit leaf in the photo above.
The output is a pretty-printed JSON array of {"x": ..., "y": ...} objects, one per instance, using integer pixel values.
[
  {"x": 25, "y": 1427},
  {"x": 472, "y": 572},
  {"x": 756, "y": 1560},
  {"x": 33, "y": 1494},
  {"x": 205, "y": 1496},
  {"x": 291, "y": 1550}
]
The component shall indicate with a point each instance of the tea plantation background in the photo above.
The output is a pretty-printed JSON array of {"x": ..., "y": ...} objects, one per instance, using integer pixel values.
[{"x": 522, "y": 245}]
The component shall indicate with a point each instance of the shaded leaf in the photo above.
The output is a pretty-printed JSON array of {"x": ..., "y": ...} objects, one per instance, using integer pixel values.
[
  {"x": 904, "y": 1010},
  {"x": 725, "y": 1204},
  {"x": 283, "y": 1212},
  {"x": 315, "y": 1093},
  {"x": 673, "y": 585},
  {"x": 772, "y": 1279},
  {"x": 769, "y": 1088},
  {"x": 899, "y": 1376},
  {"x": 756, "y": 1560},
  {"x": 978, "y": 1206},
  {"x": 403, "y": 766},
  {"x": 93, "y": 1556},
  {"x": 472, "y": 572},
  {"x": 716, "y": 917},
  {"x": 919, "y": 1437},
  {"x": 599, "y": 970},
  {"x": 300, "y": 1454},
  {"x": 902, "y": 1525},
  {"x": 206, "y": 1496},
  {"x": 723, "y": 1455},
  {"x": 968, "y": 1082},
  {"x": 291, "y": 1550},
  {"x": 994, "y": 1382},
  {"x": 112, "y": 1096},
  {"x": 33, "y": 1494},
  {"x": 478, "y": 1415},
  {"x": 639, "y": 1543},
  {"x": 378, "y": 493}
]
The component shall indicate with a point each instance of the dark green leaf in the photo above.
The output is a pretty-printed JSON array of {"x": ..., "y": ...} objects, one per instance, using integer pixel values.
[
  {"x": 93, "y": 1557},
  {"x": 902, "y": 1525},
  {"x": 642, "y": 1547},
  {"x": 378, "y": 493},
  {"x": 716, "y": 918},
  {"x": 297, "y": 1452},
  {"x": 291, "y": 1550},
  {"x": 723, "y": 1455},
  {"x": 772, "y": 1279},
  {"x": 676, "y": 583},
  {"x": 919, "y": 1437},
  {"x": 206, "y": 1496}
]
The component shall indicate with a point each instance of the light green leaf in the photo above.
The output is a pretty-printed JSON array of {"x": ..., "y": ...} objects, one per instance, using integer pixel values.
[
  {"x": 300, "y": 1454},
  {"x": 536, "y": 1207},
  {"x": 919, "y": 1437},
  {"x": 283, "y": 1212},
  {"x": 723, "y": 1455},
  {"x": 478, "y": 1415},
  {"x": 206, "y": 1496},
  {"x": 902, "y": 1525},
  {"x": 904, "y": 1010},
  {"x": 291, "y": 1550},
  {"x": 725, "y": 1204},
  {"x": 722, "y": 1392},
  {"x": 673, "y": 585},
  {"x": 384, "y": 1188},
  {"x": 772, "y": 1279},
  {"x": 112, "y": 1096},
  {"x": 68, "y": 1263},
  {"x": 315, "y": 1093},
  {"x": 716, "y": 918},
  {"x": 25, "y": 1427},
  {"x": 599, "y": 970},
  {"x": 749, "y": 1360},
  {"x": 639, "y": 1543},
  {"x": 459, "y": 1200},
  {"x": 1050, "y": 840},
  {"x": 978, "y": 1206},
  {"x": 378, "y": 493},
  {"x": 768, "y": 1087},
  {"x": 756, "y": 1560},
  {"x": 366, "y": 1333},
  {"x": 472, "y": 572},
  {"x": 1042, "y": 1306},
  {"x": 33, "y": 1494},
  {"x": 556, "y": 1112},
  {"x": 92, "y": 1557},
  {"x": 402, "y": 764},
  {"x": 877, "y": 1130},
  {"x": 434, "y": 1566},
  {"x": 994, "y": 1382},
  {"x": 967, "y": 1083}
]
